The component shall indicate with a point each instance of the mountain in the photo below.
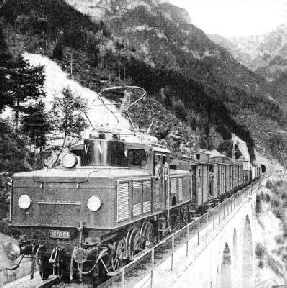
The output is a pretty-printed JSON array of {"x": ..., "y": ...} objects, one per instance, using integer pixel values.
[
  {"x": 264, "y": 54},
  {"x": 243, "y": 56},
  {"x": 150, "y": 44},
  {"x": 173, "y": 42}
]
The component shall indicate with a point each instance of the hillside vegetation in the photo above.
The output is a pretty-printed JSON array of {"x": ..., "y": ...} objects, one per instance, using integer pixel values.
[{"x": 181, "y": 69}]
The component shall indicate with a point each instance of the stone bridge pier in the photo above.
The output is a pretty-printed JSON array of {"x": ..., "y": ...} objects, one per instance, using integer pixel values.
[{"x": 228, "y": 260}]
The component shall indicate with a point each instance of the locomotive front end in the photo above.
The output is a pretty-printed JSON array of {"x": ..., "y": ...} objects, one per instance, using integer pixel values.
[{"x": 51, "y": 208}]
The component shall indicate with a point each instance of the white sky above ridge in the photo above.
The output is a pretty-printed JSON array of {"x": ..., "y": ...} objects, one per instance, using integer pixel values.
[{"x": 235, "y": 17}]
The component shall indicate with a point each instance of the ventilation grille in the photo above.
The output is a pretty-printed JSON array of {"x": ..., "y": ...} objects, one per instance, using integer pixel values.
[
  {"x": 146, "y": 207},
  {"x": 137, "y": 209},
  {"x": 122, "y": 201}
]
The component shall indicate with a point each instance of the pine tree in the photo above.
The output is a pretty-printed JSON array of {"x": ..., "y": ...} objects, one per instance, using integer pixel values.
[
  {"x": 5, "y": 61},
  {"x": 20, "y": 81},
  {"x": 26, "y": 83},
  {"x": 36, "y": 125}
]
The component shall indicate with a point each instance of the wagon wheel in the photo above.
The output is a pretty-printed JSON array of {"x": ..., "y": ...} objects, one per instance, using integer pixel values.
[
  {"x": 134, "y": 243},
  {"x": 147, "y": 235},
  {"x": 119, "y": 254}
]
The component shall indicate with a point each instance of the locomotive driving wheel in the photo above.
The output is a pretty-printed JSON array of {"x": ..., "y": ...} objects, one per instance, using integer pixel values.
[
  {"x": 133, "y": 243},
  {"x": 147, "y": 235},
  {"x": 119, "y": 254}
]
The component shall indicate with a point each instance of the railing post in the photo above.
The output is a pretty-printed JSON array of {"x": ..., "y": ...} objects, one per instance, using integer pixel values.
[
  {"x": 206, "y": 227},
  {"x": 219, "y": 214},
  {"x": 152, "y": 264},
  {"x": 198, "y": 233},
  {"x": 172, "y": 244},
  {"x": 187, "y": 239},
  {"x": 123, "y": 277}
]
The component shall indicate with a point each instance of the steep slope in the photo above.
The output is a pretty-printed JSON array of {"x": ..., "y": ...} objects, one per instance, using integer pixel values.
[
  {"x": 162, "y": 41},
  {"x": 264, "y": 54},
  {"x": 241, "y": 55},
  {"x": 147, "y": 113},
  {"x": 278, "y": 88}
]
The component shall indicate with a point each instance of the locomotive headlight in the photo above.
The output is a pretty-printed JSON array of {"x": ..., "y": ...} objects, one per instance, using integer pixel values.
[
  {"x": 24, "y": 201},
  {"x": 94, "y": 203},
  {"x": 69, "y": 160}
]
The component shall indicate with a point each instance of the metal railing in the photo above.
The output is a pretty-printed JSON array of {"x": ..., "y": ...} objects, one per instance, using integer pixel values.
[{"x": 200, "y": 232}]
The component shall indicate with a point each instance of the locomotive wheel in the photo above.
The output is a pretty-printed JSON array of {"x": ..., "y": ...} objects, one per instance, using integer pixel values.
[
  {"x": 119, "y": 255},
  {"x": 42, "y": 258},
  {"x": 122, "y": 250},
  {"x": 134, "y": 243},
  {"x": 147, "y": 235}
]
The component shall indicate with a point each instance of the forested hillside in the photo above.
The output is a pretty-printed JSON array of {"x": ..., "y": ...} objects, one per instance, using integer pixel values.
[{"x": 182, "y": 70}]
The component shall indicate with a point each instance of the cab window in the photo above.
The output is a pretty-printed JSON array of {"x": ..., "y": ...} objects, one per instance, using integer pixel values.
[{"x": 137, "y": 157}]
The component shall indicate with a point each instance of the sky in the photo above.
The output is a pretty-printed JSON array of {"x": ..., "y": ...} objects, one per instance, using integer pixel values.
[{"x": 235, "y": 17}]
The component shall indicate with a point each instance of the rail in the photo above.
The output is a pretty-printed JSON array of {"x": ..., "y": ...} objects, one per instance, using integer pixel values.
[{"x": 205, "y": 227}]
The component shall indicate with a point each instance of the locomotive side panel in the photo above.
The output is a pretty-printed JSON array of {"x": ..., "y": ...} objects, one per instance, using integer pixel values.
[
  {"x": 224, "y": 179},
  {"x": 205, "y": 183},
  {"x": 215, "y": 180},
  {"x": 199, "y": 185}
]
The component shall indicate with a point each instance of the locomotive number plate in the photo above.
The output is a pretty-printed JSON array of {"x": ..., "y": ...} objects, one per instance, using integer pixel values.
[{"x": 60, "y": 234}]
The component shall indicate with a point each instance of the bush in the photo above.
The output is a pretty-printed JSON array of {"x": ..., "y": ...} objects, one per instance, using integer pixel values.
[
  {"x": 279, "y": 213},
  {"x": 260, "y": 251},
  {"x": 267, "y": 197},
  {"x": 269, "y": 184},
  {"x": 279, "y": 239},
  {"x": 275, "y": 203}
]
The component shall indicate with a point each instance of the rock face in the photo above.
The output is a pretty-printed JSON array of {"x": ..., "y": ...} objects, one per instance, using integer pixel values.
[
  {"x": 98, "y": 9},
  {"x": 175, "y": 13}
]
